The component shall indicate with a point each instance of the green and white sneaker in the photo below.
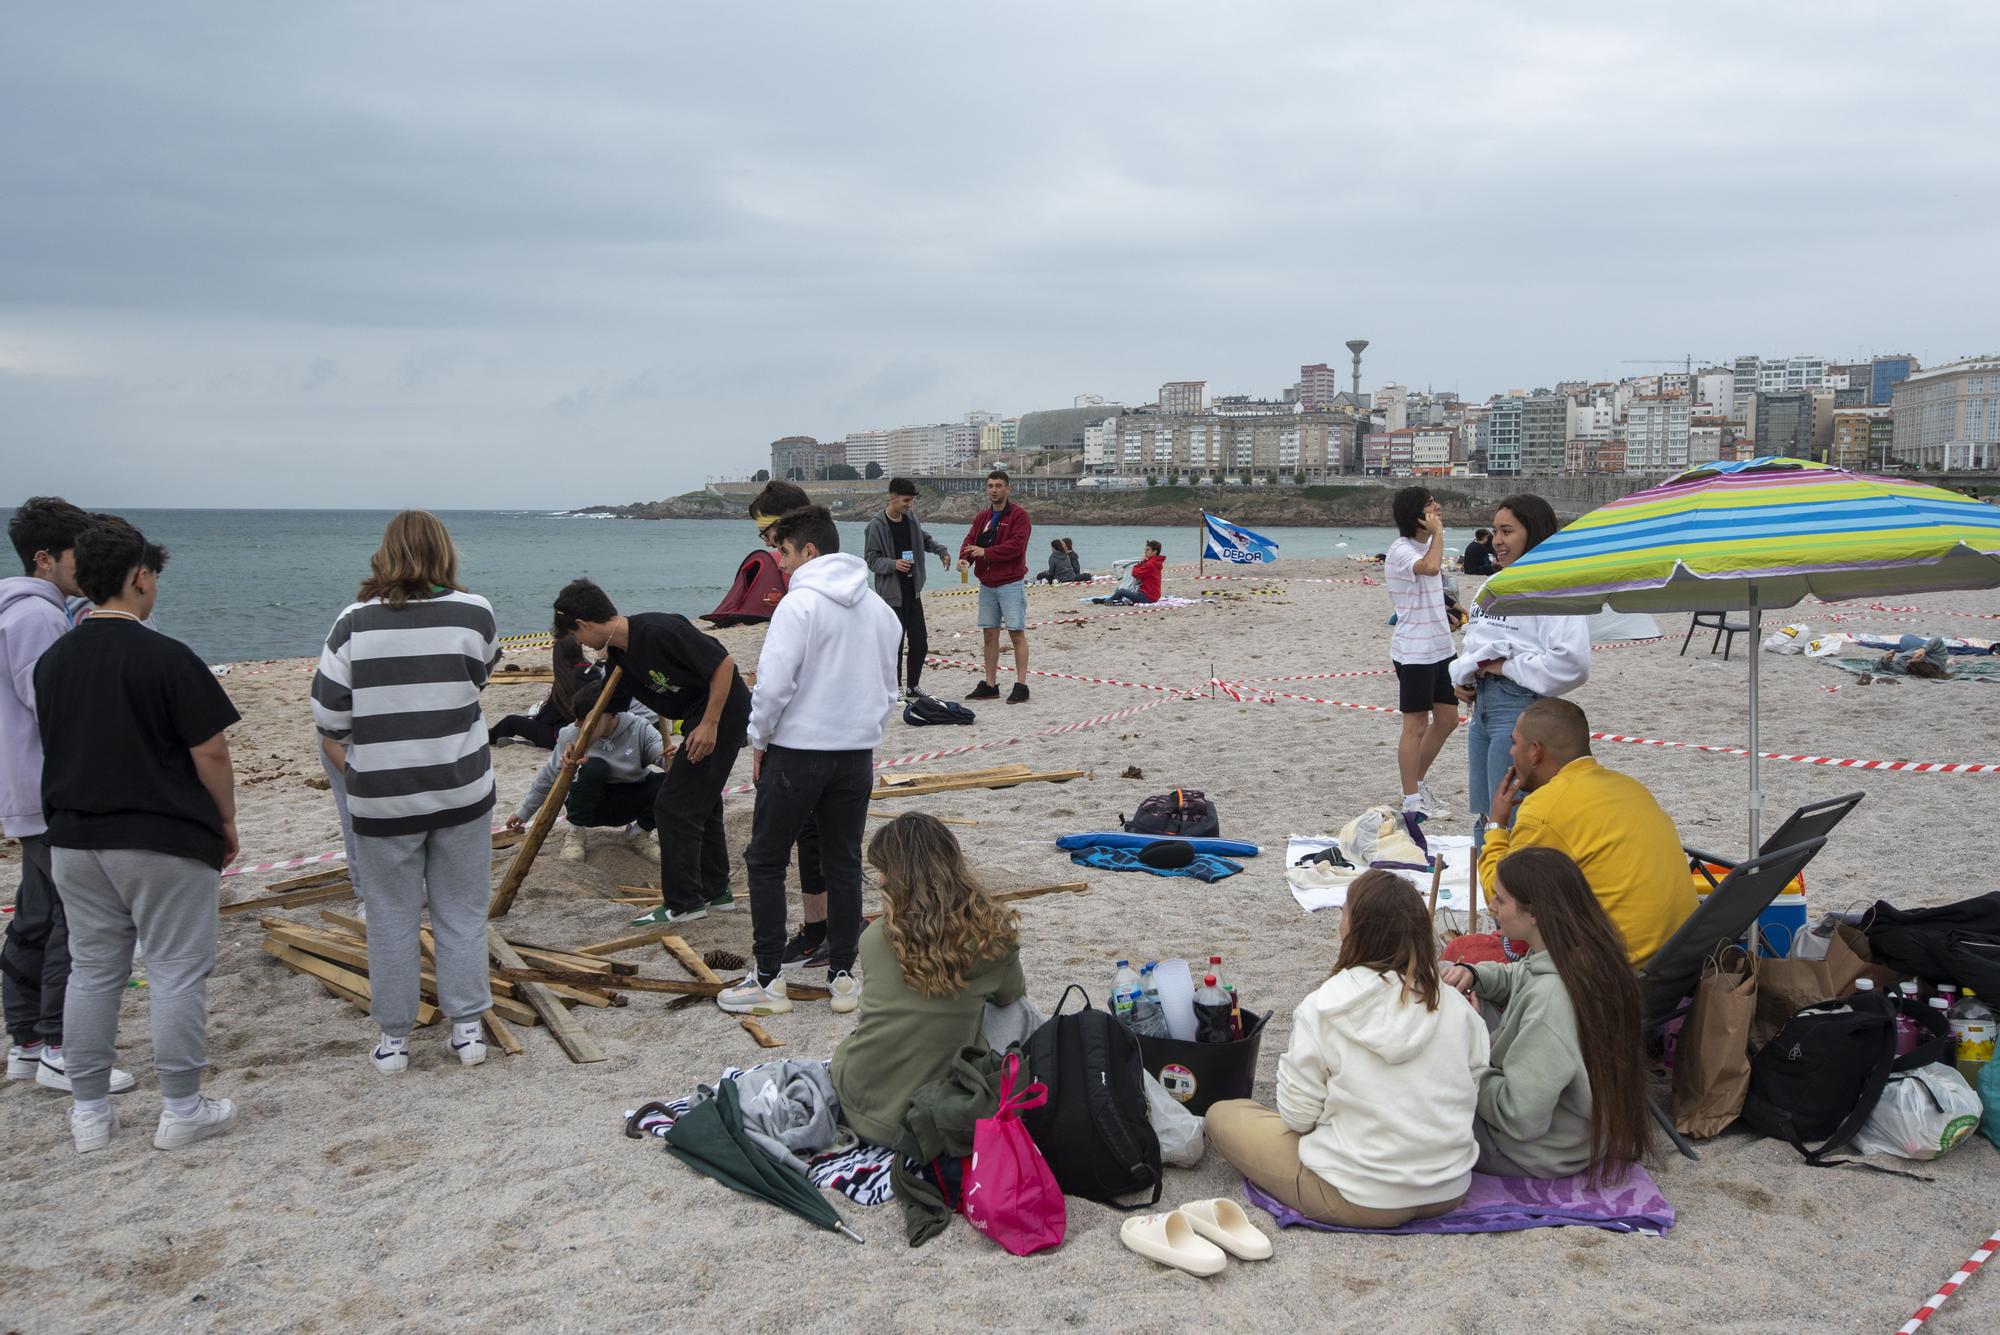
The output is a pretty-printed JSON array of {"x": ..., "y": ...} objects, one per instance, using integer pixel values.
[
  {"x": 751, "y": 997},
  {"x": 666, "y": 917},
  {"x": 723, "y": 903}
]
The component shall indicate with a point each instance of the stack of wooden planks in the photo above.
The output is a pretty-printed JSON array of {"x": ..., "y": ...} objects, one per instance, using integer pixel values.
[{"x": 898, "y": 783}]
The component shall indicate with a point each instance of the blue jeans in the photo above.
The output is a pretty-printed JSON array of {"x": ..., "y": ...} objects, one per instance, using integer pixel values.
[{"x": 1489, "y": 740}]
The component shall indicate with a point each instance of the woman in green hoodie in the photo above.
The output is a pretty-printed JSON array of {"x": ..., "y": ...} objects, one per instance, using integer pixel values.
[{"x": 1566, "y": 1092}]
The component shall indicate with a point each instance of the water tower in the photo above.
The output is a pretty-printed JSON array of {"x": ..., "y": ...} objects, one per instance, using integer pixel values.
[{"x": 1356, "y": 346}]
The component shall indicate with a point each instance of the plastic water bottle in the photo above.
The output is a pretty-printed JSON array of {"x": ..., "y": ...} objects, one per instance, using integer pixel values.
[
  {"x": 1864, "y": 985},
  {"x": 1124, "y": 991},
  {"x": 1972, "y": 1025},
  {"x": 1909, "y": 1032},
  {"x": 1147, "y": 1017},
  {"x": 1211, "y": 1013}
]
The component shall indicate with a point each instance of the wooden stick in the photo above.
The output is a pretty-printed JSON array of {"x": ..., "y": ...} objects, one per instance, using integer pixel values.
[
  {"x": 997, "y": 781},
  {"x": 324, "y": 876},
  {"x": 1437, "y": 877},
  {"x": 578, "y": 1044},
  {"x": 692, "y": 962},
  {"x": 879, "y": 814},
  {"x": 630, "y": 941},
  {"x": 346, "y": 979},
  {"x": 291, "y": 898},
  {"x": 1472, "y": 913},
  {"x": 545, "y": 819},
  {"x": 577, "y": 977},
  {"x": 1066, "y": 888},
  {"x": 564, "y": 959},
  {"x": 899, "y": 778},
  {"x": 343, "y": 950}
]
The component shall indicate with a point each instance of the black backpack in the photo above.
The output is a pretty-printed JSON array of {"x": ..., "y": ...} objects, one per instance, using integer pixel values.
[
  {"x": 1824, "y": 1072},
  {"x": 1094, "y": 1131},
  {"x": 1955, "y": 943},
  {"x": 1183, "y": 812},
  {"x": 925, "y": 710}
]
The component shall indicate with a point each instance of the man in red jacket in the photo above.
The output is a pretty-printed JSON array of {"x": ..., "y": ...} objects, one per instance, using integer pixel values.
[{"x": 996, "y": 550}]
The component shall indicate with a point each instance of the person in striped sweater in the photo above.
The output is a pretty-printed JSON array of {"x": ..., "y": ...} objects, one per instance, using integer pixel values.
[{"x": 398, "y": 691}]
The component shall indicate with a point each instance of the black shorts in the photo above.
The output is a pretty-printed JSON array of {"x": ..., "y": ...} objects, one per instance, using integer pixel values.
[{"x": 1419, "y": 686}]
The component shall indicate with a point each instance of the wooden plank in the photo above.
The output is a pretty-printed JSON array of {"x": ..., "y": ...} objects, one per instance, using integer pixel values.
[
  {"x": 343, "y": 950},
  {"x": 1066, "y": 888},
  {"x": 692, "y": 962},
  {"x": 291, "y": 898},
  {"x": 526, "y": 676},
  {"x": 545, "y": 819},
  {"x": 880, "y": 814},
  {"x": 997, "y": 781},
  {"x": 502, "y": 1034},
  {"x": 547, "y": 975},
  {"x": 593, "y": 996},
  {"x": 357, "y": 983},
  {"x": 630, "y": 941},
  {"x": 578, "y": 1044},
  {"x": 608, "y": 970},
  {"x": 324, "y": 876},
  {"x": 901, "y": 778}
]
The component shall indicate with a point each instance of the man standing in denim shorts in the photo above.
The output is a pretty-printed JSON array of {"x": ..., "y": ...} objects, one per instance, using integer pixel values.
[{"x": 996, "y": 550}]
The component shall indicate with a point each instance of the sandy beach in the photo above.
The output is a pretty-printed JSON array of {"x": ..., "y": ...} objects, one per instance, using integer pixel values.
[{"x": 507, "y": 1197}]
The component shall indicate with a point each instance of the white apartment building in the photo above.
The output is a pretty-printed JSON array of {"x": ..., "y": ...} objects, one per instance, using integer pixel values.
[
  {"x": 868, "y": 447},
  {"x": 1393, "y": 402},
  {"x": 1793, "y": 373},
  {"x": 1715, "y": 394},
  {"x": 1183, "y": 398},
  {"x": 1949, "y": 416},
  {"x": 1596, "y": 420},
  {"x": 1656, "y": 434}
]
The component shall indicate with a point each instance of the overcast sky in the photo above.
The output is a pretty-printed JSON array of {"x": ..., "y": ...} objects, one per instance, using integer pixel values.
[{"x": 500, "y": 254}]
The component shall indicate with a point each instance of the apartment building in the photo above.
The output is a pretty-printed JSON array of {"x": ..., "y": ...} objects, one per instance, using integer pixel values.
[{"x": 1949, "y": 416}]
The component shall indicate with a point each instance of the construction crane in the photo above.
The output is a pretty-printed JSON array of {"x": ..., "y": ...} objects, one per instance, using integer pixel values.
[{"x": 1686, "y": 363}]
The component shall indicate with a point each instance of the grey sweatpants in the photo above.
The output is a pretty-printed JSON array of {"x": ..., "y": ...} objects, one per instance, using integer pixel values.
[
  {"x": 112, "y": 897},
  {"x": 452, "y": 870},
  {"x": 338, "y": 788}
]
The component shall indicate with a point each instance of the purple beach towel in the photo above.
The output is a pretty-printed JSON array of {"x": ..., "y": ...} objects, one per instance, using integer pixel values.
[{"x": 1508, "y": 1204}]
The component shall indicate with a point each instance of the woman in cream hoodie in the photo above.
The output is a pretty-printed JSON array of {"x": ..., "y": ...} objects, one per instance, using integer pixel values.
[{"x": 1379, "y": 1089}]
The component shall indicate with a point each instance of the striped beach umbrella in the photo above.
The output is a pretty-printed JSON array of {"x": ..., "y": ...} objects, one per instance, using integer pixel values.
[{"x": 1749, "y": 535}]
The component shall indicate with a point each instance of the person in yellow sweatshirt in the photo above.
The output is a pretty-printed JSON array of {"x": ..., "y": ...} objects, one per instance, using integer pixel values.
[{"x": 1607, "y": 822}]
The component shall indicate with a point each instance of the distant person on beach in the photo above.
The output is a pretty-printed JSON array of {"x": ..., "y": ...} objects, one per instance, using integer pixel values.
[
  {"x": 678, "y": 673},
  {"x": 1510, "y": 661},
  {"x": 996, "y": 551},
  {"x": 398, "y": 692},
  {"x": 1145, "y": 576},
  {"x": 826, "y": 680},
  {"x": 616, "y": 783},
  {"x": 35, "y": 958},
  {"x": 140, "y": 800},
  {"x": 1420, "y": 647},
  {"x": 1566, "y": 1091},
  {"x": 894, "y": 548},
  {"x": 1607, "y": 822},
  {"x": 1478, "y": 558},
  {"x": 1064, "y": 567},
  {"x": 569, "y": 668},
  {"x": 941, "y": 951},
  {"x": 1378, "y": 1091}
]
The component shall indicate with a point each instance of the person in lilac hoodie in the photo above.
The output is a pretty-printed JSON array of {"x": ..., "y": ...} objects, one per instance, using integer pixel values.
[{"x": 35, "y": 959}]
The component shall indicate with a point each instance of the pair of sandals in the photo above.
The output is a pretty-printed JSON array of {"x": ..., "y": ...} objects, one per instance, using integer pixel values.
[{"x": 1199, "y": 1238}]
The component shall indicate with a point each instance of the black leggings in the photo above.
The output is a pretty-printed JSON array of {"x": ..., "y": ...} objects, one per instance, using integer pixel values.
[{"x": 916, "y": 636}]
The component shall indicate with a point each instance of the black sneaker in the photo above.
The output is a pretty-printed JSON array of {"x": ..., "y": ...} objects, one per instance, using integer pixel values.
[
  {"x": 985, "y": 690},
  {"x": 1019, "y": 695},
  {"x": 801, "y": 955}
]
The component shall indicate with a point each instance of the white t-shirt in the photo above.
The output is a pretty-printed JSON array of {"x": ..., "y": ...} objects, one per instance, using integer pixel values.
[{"x": 1422, "y": 633}]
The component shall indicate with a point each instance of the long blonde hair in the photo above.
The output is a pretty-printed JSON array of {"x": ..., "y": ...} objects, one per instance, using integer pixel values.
[
  {"x": 415, "y": 558},
  {"x": 939, "y": 920}
]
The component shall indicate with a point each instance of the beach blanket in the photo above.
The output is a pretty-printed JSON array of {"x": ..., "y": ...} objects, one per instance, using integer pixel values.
[
  {"x": 1167, "y": 601},
  {"x": 1205, "y": 867},
  {"x": 1228, "y": 848},
  {"x": 1316, "y": 887},
  {"x": 1961, "y": 669},
  {"x": 1510, "y": 1204}
]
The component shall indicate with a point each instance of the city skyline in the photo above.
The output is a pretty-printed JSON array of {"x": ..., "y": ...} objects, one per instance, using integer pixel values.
[{"x": 348, "y": 256}]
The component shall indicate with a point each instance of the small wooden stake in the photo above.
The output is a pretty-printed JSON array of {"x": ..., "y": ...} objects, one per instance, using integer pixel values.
[
  {"x": 1437, "y": 878},
  {"x": 1472, "y": 912},
  {"x": 1066, "y": 888},
  {"x": 545, "y": 819},
  {"x": 630, "y": 941},
  {"x": 578, "y": 1044},
  {"x": 692, "y": 962}
]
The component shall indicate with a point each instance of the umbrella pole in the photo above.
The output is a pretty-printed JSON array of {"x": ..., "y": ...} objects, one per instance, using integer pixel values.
[{"x": 1756, "y": 652}]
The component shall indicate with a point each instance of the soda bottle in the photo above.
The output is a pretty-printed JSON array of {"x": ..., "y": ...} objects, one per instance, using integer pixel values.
[
  {"x": 1942, "y": 1009},
  {"x": 1909, "y": 1032},
  {"x": 1972, "y": 1025},
  {"x": 1235, "y": 1011},
  {"x": 1215, "y": 967},
  {"x": 1211, "y": 1013},
  {"x": 1124, "y": 991}
]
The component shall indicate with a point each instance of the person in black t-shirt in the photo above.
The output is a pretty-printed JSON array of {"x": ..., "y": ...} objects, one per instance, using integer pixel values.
[
  {"x": 141, "y": 804},
  {"x": 1478, "y": 558},
  {"x": 678, "y": 673},
  {"x": 569, "y": 669}
]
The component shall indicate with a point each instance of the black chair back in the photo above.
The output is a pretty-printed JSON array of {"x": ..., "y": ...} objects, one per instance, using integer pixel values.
[
  {"x": 1728, "y": 913},
  {"x": 1814, "y": 820}
]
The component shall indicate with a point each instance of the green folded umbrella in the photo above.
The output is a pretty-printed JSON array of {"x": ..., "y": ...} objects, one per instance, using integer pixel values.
[{"x": 710, "y": 1139}]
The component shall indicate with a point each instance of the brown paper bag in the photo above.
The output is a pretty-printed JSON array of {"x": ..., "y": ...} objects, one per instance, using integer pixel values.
[
  {"x": 1712, "y": 1056},
  {"x": 1786, "y": 985}
]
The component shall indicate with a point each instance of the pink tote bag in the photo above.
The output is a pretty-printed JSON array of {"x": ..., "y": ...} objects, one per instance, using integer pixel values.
[{"x": 1010, "y": 1194}]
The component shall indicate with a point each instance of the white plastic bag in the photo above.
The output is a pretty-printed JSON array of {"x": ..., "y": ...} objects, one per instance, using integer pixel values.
[
  {"x": 1922, "y": 1114},
  {"x": 1178, "y": 1129},
  {"x": 1788, "y": 639}
]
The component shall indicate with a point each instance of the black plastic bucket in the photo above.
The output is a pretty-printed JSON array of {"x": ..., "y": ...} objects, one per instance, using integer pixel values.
[{"x": 1200, "y": 1074}]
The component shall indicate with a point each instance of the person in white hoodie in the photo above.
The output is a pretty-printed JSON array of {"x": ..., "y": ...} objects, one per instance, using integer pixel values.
[
  {"x": 826, "y": 681},
  {"x": 616, "y": 782},
  {"x": 1379, "y": 1090},
  {"x": 1506, "y": 663}
]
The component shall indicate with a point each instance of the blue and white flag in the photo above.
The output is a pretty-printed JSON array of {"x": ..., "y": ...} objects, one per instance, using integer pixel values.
[{"x": 1224, "y": 541}]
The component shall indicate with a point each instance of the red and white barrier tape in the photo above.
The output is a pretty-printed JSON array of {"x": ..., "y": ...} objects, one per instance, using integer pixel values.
[
  {"x": 1951, "y": 1286},
  {"x": 1904, "y": 766}
]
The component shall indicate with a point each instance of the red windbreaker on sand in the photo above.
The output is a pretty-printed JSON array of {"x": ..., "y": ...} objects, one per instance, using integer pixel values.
[{"x": 1004, "y": 534}]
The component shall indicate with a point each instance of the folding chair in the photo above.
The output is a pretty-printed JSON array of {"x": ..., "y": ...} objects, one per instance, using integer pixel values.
[
  {"x": 1722, "y": 625},
  {"x": 1728, "y": 914},
  {"x": 1814, "y": 820}
]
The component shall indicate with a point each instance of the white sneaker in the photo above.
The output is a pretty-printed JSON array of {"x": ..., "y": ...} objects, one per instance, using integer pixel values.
[
  {"x": 846, "y": 989},
  {"x": 1429, "y": 802},
  {"x": 466, "y": 1042},
  {"x": 665, "y": 917},
  {"x": 574, "y": 848},
  {"x": 638, "y": 836},
  {"x": 92, "y": 1131},
  {"x": 54, "y": 1074},
  {"x": 212, "y": 1118},
  {"x": 750, "y": 997},
  {"x": 391, "y": 1054},
  {"x": 23, "y": 1063}
]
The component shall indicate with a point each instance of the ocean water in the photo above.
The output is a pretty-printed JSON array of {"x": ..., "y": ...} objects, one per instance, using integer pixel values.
[{"x": 249, "y": 584}]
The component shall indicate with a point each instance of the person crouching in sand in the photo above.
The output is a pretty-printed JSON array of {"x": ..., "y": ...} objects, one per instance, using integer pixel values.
[{"x": 1378, "y": 1090}]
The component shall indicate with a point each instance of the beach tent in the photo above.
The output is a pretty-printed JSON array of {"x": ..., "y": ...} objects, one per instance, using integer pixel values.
[
  {"x": 754, "y": 595},
  {"x": 1609, "y": 625},
  {"x": 1744, "y": 536}
]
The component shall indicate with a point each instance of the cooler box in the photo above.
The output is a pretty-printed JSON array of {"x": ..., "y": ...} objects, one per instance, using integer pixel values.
[
  {"x": 1200, "y": 1074},
  {"x": 1778, "y": 926}
]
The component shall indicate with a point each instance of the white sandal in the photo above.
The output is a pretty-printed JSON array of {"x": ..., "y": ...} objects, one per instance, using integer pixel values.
[
  {"x": 1171, "y": 1240},
  {"x": 1223, "y": 1223}
]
